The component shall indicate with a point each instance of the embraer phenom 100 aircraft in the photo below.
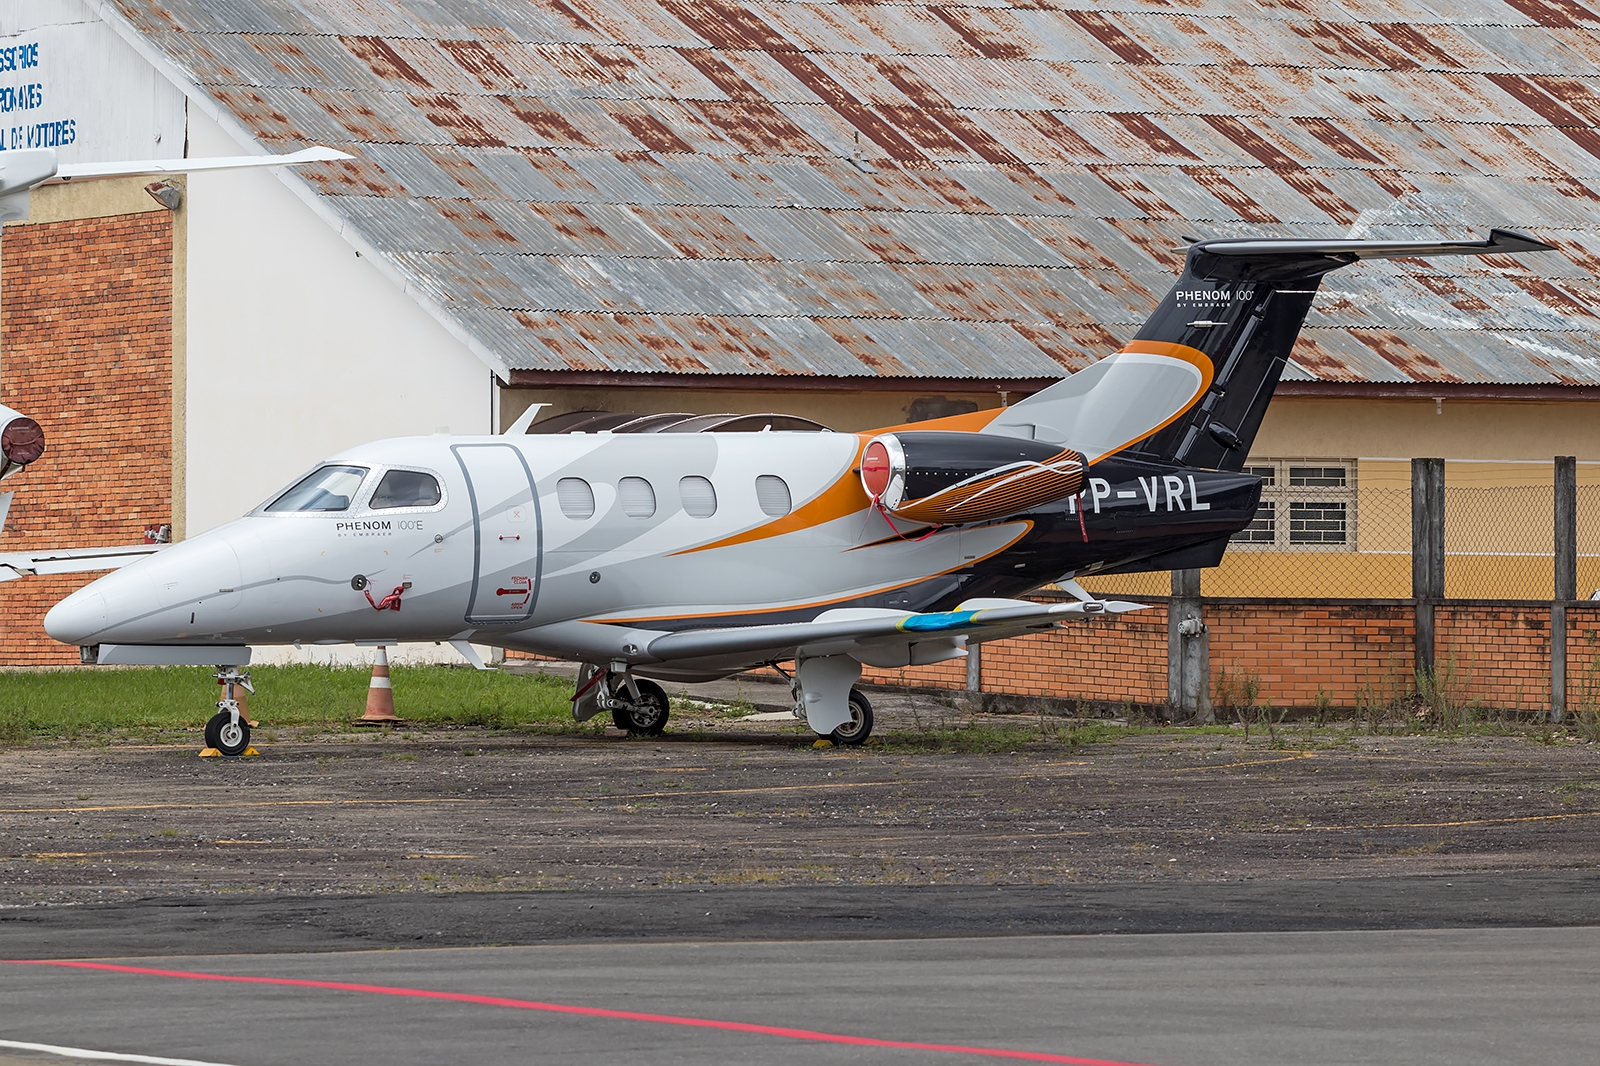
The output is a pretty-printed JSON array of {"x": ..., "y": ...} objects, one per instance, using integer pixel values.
[{"x": 654, "y": 551}]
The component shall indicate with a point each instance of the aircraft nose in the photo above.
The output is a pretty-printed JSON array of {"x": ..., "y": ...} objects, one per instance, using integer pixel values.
[{"x": 76, "y": 619}]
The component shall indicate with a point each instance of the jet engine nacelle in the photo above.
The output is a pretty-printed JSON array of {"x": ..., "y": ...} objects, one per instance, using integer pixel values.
[
  {"x": 21, "y": 441},
  {"x": 944, "y": 478}
]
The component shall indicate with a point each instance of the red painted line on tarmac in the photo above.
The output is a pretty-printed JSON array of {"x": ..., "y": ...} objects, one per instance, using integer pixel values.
[{"x": 591, "y": 1012}]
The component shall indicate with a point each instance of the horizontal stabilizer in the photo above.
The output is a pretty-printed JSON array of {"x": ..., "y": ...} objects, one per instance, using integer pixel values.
[
  {"x": 1285, "y": 258},
  {"x": 1500, "y": 241}
]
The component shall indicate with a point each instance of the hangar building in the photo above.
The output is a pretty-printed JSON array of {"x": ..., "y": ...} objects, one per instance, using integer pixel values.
[{"x": 857, "y": 213}]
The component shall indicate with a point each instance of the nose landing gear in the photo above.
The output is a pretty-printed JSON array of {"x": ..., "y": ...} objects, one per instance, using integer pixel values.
[
  {"x": 228, "y": 732},
  {"x": 637, "y": 705}
]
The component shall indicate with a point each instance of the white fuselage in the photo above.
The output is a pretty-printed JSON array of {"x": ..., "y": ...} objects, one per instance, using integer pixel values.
[{"x": 513, "y": 553}]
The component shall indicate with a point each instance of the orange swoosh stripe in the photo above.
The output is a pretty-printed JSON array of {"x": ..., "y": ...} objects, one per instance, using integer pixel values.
[
  {"x": 844, "y": 497},
  {"x": 1027, "y": 527}
]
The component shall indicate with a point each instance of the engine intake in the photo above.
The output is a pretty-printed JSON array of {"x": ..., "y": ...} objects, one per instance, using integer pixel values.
[
  {"x": 21, "y": 441},
  {"x": 943, "y": 478}
]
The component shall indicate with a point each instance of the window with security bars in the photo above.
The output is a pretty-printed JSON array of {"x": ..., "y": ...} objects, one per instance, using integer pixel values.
[
  {"x": 1322, "y": 522},
  {"x": 1306, "y": 505},
  {"x": 1264, "y": 530}
]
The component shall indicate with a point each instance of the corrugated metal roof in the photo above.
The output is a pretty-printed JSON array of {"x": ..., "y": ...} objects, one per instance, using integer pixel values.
[{"x": 921, "y": 189}]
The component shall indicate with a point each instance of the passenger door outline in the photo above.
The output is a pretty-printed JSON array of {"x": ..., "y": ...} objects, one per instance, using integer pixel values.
[{"x": 492, "y": 600}]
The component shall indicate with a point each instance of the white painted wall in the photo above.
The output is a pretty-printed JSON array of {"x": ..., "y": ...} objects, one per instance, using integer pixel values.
[
  {"x": 113, "y": 104},
  {"x": 297, "y": 348}
]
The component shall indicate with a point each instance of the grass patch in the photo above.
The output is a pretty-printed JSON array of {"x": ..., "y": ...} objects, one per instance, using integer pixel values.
[{"x": 74, "y": 704}]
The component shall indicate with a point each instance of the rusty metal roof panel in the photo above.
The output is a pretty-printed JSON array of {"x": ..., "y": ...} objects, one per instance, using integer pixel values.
[
  {"x": 808, "y": 186},
  {"x": 1009, "y": 191},
  {"x": 1532, "y": 49},
  {"x": 649, "y": 185},
  {"x": 417, "y": 226},
  {"x": 868, "y": 290},
  {"x": 779, "y": 236},
  {"x": 614, "y": 179},
  {"x": 411, "y": 167},
  {"x": 826, "y": 230},
  {"x": 721, "y": 286},
  {"x": 711, "y": 182},
  {"x": 603, "y": 229},
  {"x": 545, "y": 285}
]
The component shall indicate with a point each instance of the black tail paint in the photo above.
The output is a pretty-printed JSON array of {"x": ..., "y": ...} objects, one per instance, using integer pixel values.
[{"x": 1242, "y": 303}]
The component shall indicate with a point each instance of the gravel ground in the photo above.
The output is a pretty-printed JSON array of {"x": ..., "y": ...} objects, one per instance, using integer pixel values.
[{"x": 1159, "y": 830}]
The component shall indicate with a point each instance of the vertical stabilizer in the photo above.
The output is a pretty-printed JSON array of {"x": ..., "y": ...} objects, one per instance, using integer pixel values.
[{"x": 1194, "y": 383}]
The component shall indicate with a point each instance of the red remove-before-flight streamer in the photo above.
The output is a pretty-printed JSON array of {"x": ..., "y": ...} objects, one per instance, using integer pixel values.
[{"x": 564, "y": 1008}]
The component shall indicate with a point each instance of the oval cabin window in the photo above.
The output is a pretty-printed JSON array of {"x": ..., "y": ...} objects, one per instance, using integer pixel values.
[
  {"x": 699, "y": 497},
  {"x": 638, "y": 499},
  {"x": 772, "y": 493},
  {"x": 575, "y": 497}
]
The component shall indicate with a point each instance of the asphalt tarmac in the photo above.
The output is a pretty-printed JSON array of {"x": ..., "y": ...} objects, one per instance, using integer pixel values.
[
  {"x": 1415, "y": 997},
  {"x": 476, "y": 898}
]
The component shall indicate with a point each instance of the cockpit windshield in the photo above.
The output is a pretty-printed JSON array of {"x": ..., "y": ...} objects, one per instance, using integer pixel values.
[{"x": 329, "y": 488}]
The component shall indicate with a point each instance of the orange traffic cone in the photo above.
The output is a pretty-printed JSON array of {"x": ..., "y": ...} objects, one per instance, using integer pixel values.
[{"x": 380, "y": 695}]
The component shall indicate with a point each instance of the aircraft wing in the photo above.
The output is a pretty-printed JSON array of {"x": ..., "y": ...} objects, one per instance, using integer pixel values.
[
  {"x": 24, "y": 169},
  {"x": 71, "y": 560},
  {"x": 138, "y": 168},
  {"x": 873, "y": 635}
]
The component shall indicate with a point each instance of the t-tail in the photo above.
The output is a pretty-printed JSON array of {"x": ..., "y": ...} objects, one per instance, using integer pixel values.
[{"x": 1192, "y": 387}]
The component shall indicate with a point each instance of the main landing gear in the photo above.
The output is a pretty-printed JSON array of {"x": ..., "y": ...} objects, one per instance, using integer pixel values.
[
  {"x": 859, "y": 728},
  {"x": 825, "y": 698},
  {"x": 229, "y": 730},
  {"x": 637, "y": 705}
]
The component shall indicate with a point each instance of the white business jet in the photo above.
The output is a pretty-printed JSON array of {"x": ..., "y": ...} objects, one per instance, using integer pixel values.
[{"x": 676, "y": 547}]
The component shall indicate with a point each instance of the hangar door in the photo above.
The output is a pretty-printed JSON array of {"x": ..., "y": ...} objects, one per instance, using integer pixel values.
[{"x": 506, "y": 535}]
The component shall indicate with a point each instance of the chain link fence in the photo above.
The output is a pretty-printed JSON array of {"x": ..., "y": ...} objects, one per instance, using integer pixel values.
[{"x": 1341, "y": 530}]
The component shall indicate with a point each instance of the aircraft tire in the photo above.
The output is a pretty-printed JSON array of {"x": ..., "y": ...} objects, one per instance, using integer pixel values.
[
  {"x": 227, "y": 738},
  {"x": 648, "y": 718},
  {"x": 859, "y": 728}
]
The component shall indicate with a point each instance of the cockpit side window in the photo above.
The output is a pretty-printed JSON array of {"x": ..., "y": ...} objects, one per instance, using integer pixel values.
[
  {"x": 329, "y": 488},
  {"x": 406, "y": 488}
]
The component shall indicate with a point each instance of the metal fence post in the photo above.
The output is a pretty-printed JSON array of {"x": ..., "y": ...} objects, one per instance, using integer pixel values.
[
  {"x": 1427, "y": 554},
  {"x": 1566, "y": 579},
  {"x": 1188, "y": 650}
]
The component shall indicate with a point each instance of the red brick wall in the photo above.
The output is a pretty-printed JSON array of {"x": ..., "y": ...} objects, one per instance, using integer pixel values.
[
  {"x": 1117, "y": 658},
  {"x": 1500, "y": 656},
  {"x": 86, "y": 349},
  {"x": 1497, "y": 656},
  {"x": 1300, "y": 650}
]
